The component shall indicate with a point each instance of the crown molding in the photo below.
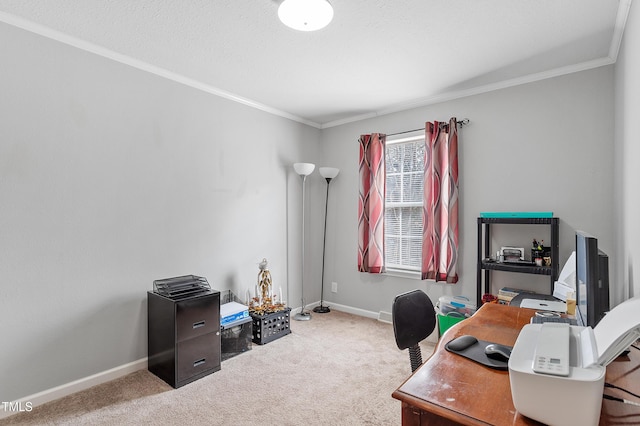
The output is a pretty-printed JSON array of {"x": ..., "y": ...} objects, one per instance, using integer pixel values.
[
  {"x": 448, "y": 96},
  {"x": 621, "y": 19},
  {"x": 144, "y": 66},
  {"x": 616, "y": 40}
]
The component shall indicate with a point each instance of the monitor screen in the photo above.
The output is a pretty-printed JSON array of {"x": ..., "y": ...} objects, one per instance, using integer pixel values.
[{"x": 592, "y": 280}]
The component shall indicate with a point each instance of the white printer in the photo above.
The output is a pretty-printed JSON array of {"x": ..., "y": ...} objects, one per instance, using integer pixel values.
[{"x": 557, "y": 371}]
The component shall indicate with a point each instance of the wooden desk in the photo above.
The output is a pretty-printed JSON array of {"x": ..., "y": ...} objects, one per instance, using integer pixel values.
[{"x": 449, "y": 389}]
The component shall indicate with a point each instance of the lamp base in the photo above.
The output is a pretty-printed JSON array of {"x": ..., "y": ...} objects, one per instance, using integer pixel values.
[
  {"x": 321, "y": 309},
  {"x": 302, "y": 316}
]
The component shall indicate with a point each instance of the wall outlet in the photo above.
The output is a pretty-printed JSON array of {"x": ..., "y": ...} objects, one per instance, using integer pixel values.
[{"x": 334, "y": 287}]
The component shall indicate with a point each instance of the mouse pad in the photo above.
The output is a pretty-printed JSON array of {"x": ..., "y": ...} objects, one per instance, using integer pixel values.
[{"x": 475, "y": 352}]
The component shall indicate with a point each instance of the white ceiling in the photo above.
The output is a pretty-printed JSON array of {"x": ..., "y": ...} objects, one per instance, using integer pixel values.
[{"x": 375, "y": 57}]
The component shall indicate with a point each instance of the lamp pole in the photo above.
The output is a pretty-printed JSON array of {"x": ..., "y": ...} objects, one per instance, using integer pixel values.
[
  {"x": 303, "y": 169},
  {"x": 328, "y": 173}
]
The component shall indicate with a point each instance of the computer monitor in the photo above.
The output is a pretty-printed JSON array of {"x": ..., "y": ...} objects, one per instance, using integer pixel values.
[{"x": 592, "y": 280}]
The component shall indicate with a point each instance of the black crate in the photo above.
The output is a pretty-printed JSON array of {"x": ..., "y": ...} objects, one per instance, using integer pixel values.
[
  {"x": 269, "y": 327},
  {"x": 236, "y": 338}
]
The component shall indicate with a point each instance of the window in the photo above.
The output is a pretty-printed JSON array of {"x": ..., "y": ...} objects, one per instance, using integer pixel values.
[{"x": 404, "y": 193}]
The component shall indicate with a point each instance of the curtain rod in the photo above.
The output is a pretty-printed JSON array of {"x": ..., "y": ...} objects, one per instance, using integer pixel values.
[{"x": 460, "y": 123}]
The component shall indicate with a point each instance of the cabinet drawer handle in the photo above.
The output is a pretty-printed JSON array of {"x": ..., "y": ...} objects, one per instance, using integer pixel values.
[
  {"x": 199, "y": 362},
  {"x": 198, "y": 324}
]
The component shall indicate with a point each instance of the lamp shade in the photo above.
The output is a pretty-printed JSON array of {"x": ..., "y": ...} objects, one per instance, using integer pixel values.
[
  {"x": 304, "y": 169},
  {"x": 305, "y": 15},
  {"x": 329, "y": 172}
]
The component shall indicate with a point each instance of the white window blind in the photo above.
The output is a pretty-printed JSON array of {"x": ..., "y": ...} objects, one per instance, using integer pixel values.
[{"x": 403, "y": 203}]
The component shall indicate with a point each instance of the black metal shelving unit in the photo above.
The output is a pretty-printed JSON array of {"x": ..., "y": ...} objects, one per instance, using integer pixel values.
[{"x": 484, "y": 267}]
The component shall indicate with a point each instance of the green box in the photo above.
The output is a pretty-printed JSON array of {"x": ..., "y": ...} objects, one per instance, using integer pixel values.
[{"x": 449, "y": 320}]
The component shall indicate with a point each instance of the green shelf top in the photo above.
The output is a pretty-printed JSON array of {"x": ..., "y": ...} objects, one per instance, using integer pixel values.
[{"x": 517, "y": 214}]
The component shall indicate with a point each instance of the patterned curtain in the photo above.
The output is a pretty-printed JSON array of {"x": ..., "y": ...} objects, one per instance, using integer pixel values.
[
  {"x": 440, "y": 239},
  {"x": 371, "y": 204}
]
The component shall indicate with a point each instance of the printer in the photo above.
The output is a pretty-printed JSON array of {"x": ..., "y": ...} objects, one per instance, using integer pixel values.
[{"x": 557, "y": 370}]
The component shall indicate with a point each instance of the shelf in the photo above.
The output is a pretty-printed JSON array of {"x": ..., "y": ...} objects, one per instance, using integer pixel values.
[
  {"x": 520, "y": 220},
  {"x": 524, "y": 269},
  {"x": 485, "y": 267}
]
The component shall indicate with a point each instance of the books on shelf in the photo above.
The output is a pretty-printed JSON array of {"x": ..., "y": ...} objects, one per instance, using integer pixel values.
[{"x": 505, "y": 294}]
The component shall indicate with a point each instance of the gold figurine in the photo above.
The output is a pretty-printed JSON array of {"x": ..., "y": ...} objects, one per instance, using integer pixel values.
[{"x": 265, "y": 300}]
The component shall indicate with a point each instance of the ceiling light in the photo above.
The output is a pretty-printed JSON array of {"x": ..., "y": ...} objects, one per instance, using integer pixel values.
[{"x": 305, "y": 15}]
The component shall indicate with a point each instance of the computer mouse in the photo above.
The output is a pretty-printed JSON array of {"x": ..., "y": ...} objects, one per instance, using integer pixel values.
[
  {"x": 461, "y": 343},
  {"x": 498, "y": 352}
]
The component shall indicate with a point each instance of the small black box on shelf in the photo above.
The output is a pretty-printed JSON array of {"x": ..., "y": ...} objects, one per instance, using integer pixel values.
[
  {"x": 543, "y": 252},
  {"x": 236, "y": 338},
  {"x": 269, "y": 327}
]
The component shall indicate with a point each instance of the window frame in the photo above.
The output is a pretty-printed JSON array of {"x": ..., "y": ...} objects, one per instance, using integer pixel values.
[{"x": 406, "y": 271}]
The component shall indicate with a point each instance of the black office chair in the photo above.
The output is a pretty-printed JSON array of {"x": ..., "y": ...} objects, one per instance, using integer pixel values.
[{"x": 414, "y": 319}]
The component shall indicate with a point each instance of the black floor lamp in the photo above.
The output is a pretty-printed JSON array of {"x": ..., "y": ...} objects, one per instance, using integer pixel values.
[{"x": 328, "y": 173}]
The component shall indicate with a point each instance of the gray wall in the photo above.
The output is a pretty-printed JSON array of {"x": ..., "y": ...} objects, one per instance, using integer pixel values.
[
  {"x": 627, "y": 173},
  {"x": 111, "y": 177},
  {"x": 543, "y": 146}
]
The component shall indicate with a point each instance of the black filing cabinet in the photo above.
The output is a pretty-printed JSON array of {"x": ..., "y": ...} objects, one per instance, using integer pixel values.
[{"x": 183, "y": 336}]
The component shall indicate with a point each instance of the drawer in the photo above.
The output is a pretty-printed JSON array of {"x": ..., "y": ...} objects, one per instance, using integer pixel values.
[
  {"x": 198, "y": 355},
  {"x": 197, "y": 317}
]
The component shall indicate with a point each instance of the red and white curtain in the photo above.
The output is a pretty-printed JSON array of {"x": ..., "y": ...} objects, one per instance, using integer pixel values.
[
  {"x": 440, "y": 217},
  {"x": 371, "y": 204}
]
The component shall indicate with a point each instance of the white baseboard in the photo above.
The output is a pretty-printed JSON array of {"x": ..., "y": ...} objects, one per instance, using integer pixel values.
[
  {"x": 338, "y": 307},
  {"x": 385, "y": 317},
  {"x": 354, "y": 311},
  {"x": 75, "y": 386},
  {"x": 141, "y": 364}
]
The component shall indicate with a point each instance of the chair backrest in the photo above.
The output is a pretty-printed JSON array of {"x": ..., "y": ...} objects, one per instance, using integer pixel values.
[{"x": 414, "y": 318}]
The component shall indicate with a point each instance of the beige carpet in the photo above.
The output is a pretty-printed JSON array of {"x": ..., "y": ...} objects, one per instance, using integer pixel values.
[{"x": 337, "y": 369}]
